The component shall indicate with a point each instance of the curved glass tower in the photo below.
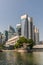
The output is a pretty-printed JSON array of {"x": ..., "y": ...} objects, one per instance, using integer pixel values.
[{"x": 27, "y": 27}]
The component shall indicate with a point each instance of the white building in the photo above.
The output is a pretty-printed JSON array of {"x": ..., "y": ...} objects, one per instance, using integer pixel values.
[{"x": 11, "y": 41}]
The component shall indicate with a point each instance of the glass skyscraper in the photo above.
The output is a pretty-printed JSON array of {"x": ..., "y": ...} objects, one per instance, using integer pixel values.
[
  {"x": 27, "y": 27},
  {"x": 11, "y": 32},
  {"x": 24, "y": 26},
  {"x": 30, "y": 28},
  {"x": 18, "y": 28},
  {"x": 36, "y": 35}
]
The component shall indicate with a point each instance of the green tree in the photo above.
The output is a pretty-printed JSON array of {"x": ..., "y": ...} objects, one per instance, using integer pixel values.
[
  {"x": 20, "y": 42},
  {"x": 24, "y": 40},
  {"x": 31, "y": 43}
]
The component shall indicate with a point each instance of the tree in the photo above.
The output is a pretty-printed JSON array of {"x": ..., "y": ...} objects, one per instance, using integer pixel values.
[
  {"x": 31, "y": 43},
  {"x": 20, "y": 42},
  {"x": 24, "y": 40}
]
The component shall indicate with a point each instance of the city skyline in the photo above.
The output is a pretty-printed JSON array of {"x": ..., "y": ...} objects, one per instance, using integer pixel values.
[{"x": 10, "y": 12}]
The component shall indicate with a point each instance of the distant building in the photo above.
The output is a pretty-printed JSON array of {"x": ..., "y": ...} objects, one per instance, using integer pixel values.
[
  {"x": 36, "y": 35},
  {"x": 40, "y": 42},
  {"x": 18, "y": 28},
  {"x": 6, "y": 35},
  {"x": 11, "y": 29},
  {"x": 3, "y": 38},
  {"x": 11, "y": 32},
  {"x": 0, "y": 38}
]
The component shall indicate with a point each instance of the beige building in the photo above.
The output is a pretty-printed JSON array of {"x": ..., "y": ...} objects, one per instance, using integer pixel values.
[{"x": 12, "y": 41}]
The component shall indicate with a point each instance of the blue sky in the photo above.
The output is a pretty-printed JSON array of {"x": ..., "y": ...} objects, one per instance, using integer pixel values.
[{"x": 11, "y": 10}]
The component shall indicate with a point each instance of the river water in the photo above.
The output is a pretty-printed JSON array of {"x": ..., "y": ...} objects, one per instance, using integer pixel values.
[{"x": 15, "y": 58}]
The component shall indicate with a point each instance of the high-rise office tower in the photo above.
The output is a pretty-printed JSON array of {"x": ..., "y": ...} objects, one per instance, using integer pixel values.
[
  {"x": 24, "y": 26},
  {"x": 27, "y": 27},
  {"x": 11, "y": 32},
  {"x": 36, "y": 35},
  {"x": 18, "y": 28},
  {"x": 11, "y": 29},
  {"x": 0, "y": 38},
  {"x": 30, "y": 28},
  {"x": 6, "y": 35}
]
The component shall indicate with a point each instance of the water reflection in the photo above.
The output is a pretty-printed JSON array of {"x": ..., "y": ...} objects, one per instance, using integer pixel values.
[{"x": 15, "y": 58}]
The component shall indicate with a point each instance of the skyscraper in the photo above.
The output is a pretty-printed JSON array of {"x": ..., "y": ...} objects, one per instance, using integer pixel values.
[
  {"x": 11, "y": 32},
  {"x": 24, "y": 26},
  {"x": 0, "y": 38},
  {"x": 36, "y": 35},
  {"x": 27, "y": 27},
  {"x": 30, "y": 28},
  {"x": 6, "y": 35},
  {"x": 18, "y": 28}
]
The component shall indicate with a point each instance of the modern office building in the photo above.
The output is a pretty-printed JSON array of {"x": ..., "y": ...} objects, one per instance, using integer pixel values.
[
  {"x": 11, "y": 29},
  {"x": 30, "y": 28},
  {"x": 27, "y": 27},
  {"x": 11, "y": 32},
  {"x": 0, "y": 38},
  {"x": 6, "y": 35},
  {"x": 24, "y": 26},
  {"x": 36, "y": 35},
  {"x": 3, "y": 38},
  {"x": 18, "y": 28}
]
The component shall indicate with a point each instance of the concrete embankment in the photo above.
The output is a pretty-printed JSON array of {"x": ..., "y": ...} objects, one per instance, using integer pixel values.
[
  {"x": 24, "y": 50},
  {"x": 37, "y": 49},
  {"x": 18, "y": 50}
]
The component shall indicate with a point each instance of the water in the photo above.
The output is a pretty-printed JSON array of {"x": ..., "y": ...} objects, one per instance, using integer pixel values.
[{"x": 14, "y": 58}]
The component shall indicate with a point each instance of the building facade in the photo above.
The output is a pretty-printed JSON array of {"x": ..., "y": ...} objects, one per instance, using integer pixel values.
[
  {"x": 36, "y": 35},
  {"x": 0, "y": 38},
  {"x": 11, "y": 32},
  {"x": 18, "y": 28},
  {"x": 24, "y": 26},
  {"x": 27, "y": 27},
  {"x": 30, "y": 28},
  {"x": 6, "y": 35}
]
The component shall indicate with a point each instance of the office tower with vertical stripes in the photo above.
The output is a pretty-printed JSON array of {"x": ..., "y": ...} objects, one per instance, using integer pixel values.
[
  {"x": 36, "y": 35},
  {"x": 30, "y": 28},
  {"x": 24, "y": 26},
  {"x": 18, "y": 28},
  {"x": 27, "y": 27}
]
